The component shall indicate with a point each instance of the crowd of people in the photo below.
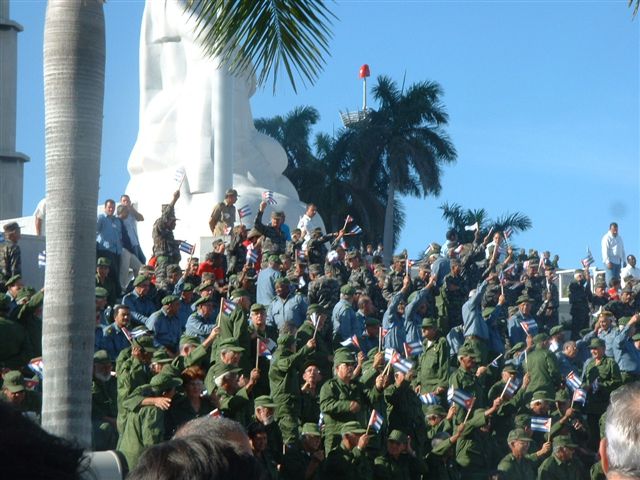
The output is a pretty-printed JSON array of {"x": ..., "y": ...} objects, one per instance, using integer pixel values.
[{"x": 335, "y": 365}]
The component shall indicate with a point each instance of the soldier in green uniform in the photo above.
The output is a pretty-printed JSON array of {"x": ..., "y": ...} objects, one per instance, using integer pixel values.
[
  {"x": 264, "y": 414},
  {"x": 146, "y": 427},
  {"x": 542, "y": 367},
  {"x": 438, "y": 421},
  {"x": 562, "y": 465},
  {"x": 516, "y": 465},
  {"x": 104, "y": 403},
  {"x": 349, "y": 459},
  {"x": 469, "y": 378},
  {"x": 440, "y": 460},
  {"x": 432, "y": 374},
  {"x": 103, "y": 280},
  {"x": 234, "y": 401},
  {"x": 304, "y": 459},
  {"x": 30, "y": 317},
  {"x": 323, "y": 353},
  {"x": 15, "y": 393},
  {"x": 10, "y": 256},
  {"x": 400, "y": 461},
  {"x": 453, "y": 295},
  {"x": 15, "y": 347},
  {"x": 284, "y": 380},
  {"x": 310, "y": 392},
  {"x": 258, "y": 330},
  {"x": 229, "y": 353},
  {"x": 343, "y": 399},
  {"x": 235, "y": 326}
]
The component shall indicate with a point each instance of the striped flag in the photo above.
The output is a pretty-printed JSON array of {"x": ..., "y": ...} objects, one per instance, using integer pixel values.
[
  {"x": 351, "y": 341},
  {"x": 376, "y": 421},
  {"x": 471, "y": 228},
  {"x": 507, "y": 232},
  {"x": 244, "y": 211},
  {"x": 252, "y": 255},
  {"x": 343, "y": 244},
  {"x": 42, "y": 259},
  {"x": 459, "y": 397},
  {"x": 429, "y": 399},
  {"x": 414, "y": 348},
  {"x": 228, "y": 306},
  {"x": 588, "y": 260},
  {"x": 37, "y": 367},
  {"x": 186, "y": 248},
  {"x": 179, "y": 174},
  {"x": 356, "y": 230},
  {"x": 541, "y": 424},
  {"x": 513, "y": 387},
  {"x": 530, "y": 327},
  {"x": 269, "y": 197},
  {"x": 579, "y": 396},
  {"x": 263, "y": 349},
  {"x": 401, "y": 364},
  {"x": 573, "y": 381}
]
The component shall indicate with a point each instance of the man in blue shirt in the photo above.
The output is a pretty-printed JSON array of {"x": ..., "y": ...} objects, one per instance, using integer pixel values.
[
  {"x": 139, "y": 302},
  {"x": 203, "y": 320},
  {"x": 266, "y": 285},
  {"x": 345, "y": 323},
  {"x": 166, "y": 326},
  {"x": 287, "y": 306},
  {"x": 109, "y": 239},
  {"x": 114, "y": 340}
]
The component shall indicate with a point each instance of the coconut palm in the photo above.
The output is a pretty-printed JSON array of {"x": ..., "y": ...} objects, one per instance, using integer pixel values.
[
  {"x": 264, "y": 34},
  {"x": 636, "y": 4}
]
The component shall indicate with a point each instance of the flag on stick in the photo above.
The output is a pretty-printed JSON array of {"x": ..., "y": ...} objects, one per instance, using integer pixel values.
[
  {"x": 42, "y": 259},
  {"x": 459, "y": 397},
  {"x": 429, "y": 399},
  {"x": 541, "y": 424},
  {"x": 244, "y": 211},
  {"x": 375, "y": 421},
  {"x": 228, "y": 306},
  {"x": 187, "y": 248},
  {"x": 269, "y": 197}
]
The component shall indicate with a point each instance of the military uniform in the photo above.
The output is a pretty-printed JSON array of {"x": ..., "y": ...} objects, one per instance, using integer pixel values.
[
  {"x": 274, "y": 241},
  {"x": 392, "y": 284},
  {"x": 235, "y": 326},
  {"x": 514, "y": 468},
  {"x": 554, "y": 469},
  {"x": 104, "y": 409},
  {"x": 476, "y": 451},
  {"x": 579, "y": 296},
  {"x": 323, "y": 353},
  {"x": 404, "y": 413},
  {"x": 433, "y": 365},
  {"x": 182, "y": 411},
  {"x": 324, "y": 291},
  {"x": 222, "y": 218},
  {"x": 453, "y": 296},
  {"x": 11, "y": 260},
  {"x": 15, "y": 348},
  {"x": 342, "y": 463},
  {"x": 543, "y": 369}
]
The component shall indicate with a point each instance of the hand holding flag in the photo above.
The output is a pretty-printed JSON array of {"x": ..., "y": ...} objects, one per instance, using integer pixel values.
[{"x": 269, "y": 197}]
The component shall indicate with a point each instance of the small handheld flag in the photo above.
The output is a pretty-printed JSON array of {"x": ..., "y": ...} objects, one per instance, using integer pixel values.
[
  {"x": 572, "y": 381},
  {"x": 459, "y": 397},
  {"x": 348, "y": 220},
  {"x": 429, "y": 399},
  {"x": 541, "y": 424},
  {"x": 512, "y": 387},
  {"x": 252, "y": 255},
  {"x": 507, "y": 232},
  {"x": 579, "y": 396},
  {"x": 269, "y": 197},
  {"x": 351, "y": 341},
  {"x": 530, "y": 327},
  {"x": 215, "y": 413},
  {"x": 244, "y": 211},
  {"x": 356, "y": 230},
  {"x": 186, "y": 248},
  {"x": 37, "y": 367},
  {"x": 375, "y": 421},
  {"x": 228, "y": 306},
  {"x": 42, "y": 259},
  {"x": 588, "y": 260},
  {"x": 179, "y": 175},
  {"x": 471, "y": 228},
  {"x": 263, "y": 349},
  {"x": 414, "y": 348}
]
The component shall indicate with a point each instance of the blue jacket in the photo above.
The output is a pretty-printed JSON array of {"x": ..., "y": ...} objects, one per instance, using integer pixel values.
[
  {"x": 472, "y": 319},
  {"x": 199, "y": 326},
  {"x": 266, "y": 285},
  {"x": 292, "y": 309},
  {"x": 114, "y": 341},
  {"x": 345, "y": 323},
  {"x": 625, "y": 353},
  {"x": 109, "y": 233},
  {"x": 141, "y": 308},
  {"x": 393, "y": 323},
  {"x": 166, "y": 330},
  {"x": 413, "y": 319}
]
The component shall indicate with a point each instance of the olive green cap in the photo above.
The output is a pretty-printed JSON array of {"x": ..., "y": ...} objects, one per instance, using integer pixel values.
[
  {"x": 103, "y": 262},
  {"x": 160, "y": 356},
  {"x": 101, "y": 357},
  {"x": 101, "y": 292},
  {"x": 564, "y": 441},
  {"x": 636, "y": 337},
  {"x": 435, "y": 410},
  {"x": 429, "y": 322},
  {"x": 239, "y": 292},
  {"x": 518, "y": 434},
  {"x": 487, "y": 311},
  {"x": 347, "y": 290},
  {"x": 203, "y": 300},
  {"x": 169, "y": 299},
  {"x": 523, "y": 299},
  {"x": 315, "y": 308},
  {"x": 13, "y": 381},
  {"x": 189, "y": 340},
  {"x": 274, "y": 259},
  {"x": 343, "y": 356},
  {"x": 258, "y": 307},
  {"x": 352, "y": 427},
  {"x": 146, "y": 342},
  {"x": 140, "y": 279},
  {"x": 596, "y": 343},
  {"x": 187, "y": 287},
  {"x": 510, "y": 368},
  {"x": 315, "y": 268},
  {"x": 556, "y": 330},
  {"x": 230, "y": 344},
  {"x": 282, "y": 280},
  {"x": 469, "y": 351},
  {"x": 264, "y": 401},
  {"x": 310, "y": 429},
  {"x": 541, "y": 337},
  {"x": 163, "y": 382},
  {"x": 371, "y": 322},
  {"x": 522, "y": 420},
  {"x": 622, "y": 321},
  {"x": 397, "y": 436},
  {"x": 541, "y": 396},
  {"x": 286, "y": 340},
  {"x": 13, "y": 280},
  {"x": 222, "y": 368},
  {"x": 516, "y": 348}
]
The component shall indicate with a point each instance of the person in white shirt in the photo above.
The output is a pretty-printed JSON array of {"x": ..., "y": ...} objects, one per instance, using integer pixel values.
[
  {"x": 308, "y": 223},
  {"x": 630, "y": 270},
  {"x": 39, "y": 215},
  {"x": 613, "y": 255}
]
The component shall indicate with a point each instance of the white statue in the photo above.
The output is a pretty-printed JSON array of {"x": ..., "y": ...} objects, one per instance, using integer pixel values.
[{"x": 181, "y": 111}]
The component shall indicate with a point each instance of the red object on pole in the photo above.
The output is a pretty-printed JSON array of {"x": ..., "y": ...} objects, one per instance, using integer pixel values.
[{"x": 364, "y": 71}]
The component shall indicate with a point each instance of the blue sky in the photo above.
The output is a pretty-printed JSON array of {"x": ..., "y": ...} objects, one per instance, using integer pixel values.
[{"x": 543, "y": 98}]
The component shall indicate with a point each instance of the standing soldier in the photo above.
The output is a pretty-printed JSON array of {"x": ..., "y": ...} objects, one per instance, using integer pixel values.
[
  {"x": 224, "y": 214},
  {"x": 234, "y": 325},
  {"x": 579, "y": 296},
  {"x": 11, "y": 261},
  {"x": 433, "y": 364},
  {"x": 165, "y": 247}
]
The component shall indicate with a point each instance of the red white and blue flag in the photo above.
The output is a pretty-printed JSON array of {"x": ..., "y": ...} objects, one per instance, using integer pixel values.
[
  {"x": 179, "y": 175},
  {"x": 507, "y": 232},
  {"x": 414, "y": 348},
  {"x": 512, "y": 388},
  {"x": 356, "y": 230},
  {"x": 579, "y": 396},
  {"x": 541, "y": 424},
  {"x": 252, "y": 255},
  {"x": 351, "y": 341},
  {"x": 573, "y": 381},
  {"x": 397, "y": 362},
  {"x": 244, "y": 211},
  {"x": 376, "y": 421},
  {"x": 263, "y": 349},
  {"x": 215, "y": 413},
  {"x": 530, "y": 327},
  {"x": 269, "y": 197},
  {"x": 42, "y": 259},
  {"x": 429, "y": 399},
  {"x": 228, "y": 306},
  {"x": 460, "y": 397},
  {"x": 348, "y": 220},
  {"x": 37, "y": 367},
  {"x": 588, "y": 260},
  {"x": 187, "y": 248}
]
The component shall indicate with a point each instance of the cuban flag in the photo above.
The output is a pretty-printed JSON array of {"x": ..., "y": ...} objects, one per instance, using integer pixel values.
[
  {"x": 530, "y": 327},
  {"x": 343, "y": 244},
  {"x": 579, "y": 396},
  {"x": 179, "y": 175},
  {"x": 215, "y": 413},
  {"x": 228, "y": 306},
  {"x": 507, "y": 233},
  {"x": 588, "y": 260},
  {"x": 459, "y": 397},
  {"x": 187, "y": 248},
  {"x": 301, "y": 255},
  {"x": 263, "y": 349},
  {"x": 541, "y": 424},
  {"x": 42, "y": 259},
  {"x": 269, "y": 197},
  {"x": 244, "y": 211},
  {"x": 414, "y": 348},
  {"x": 494, "y": 362},
  {"x": 351, "y": 341},
  {"x": 397, "y": 362},
  {"x": 376, "y": 421},
  {"x": 513, "y": 387},
  {"x": 320, "y": 420},
  {"x": 429, "y": 399},
  {"x": 573, "y": 382},
  {"x": 37, "y": 367},
  {"x": 252, "y": 255},
  {"x": 471, "y": 228},
  {"x": 31, "y": 384},
  {"x": 356, "y": 230}
]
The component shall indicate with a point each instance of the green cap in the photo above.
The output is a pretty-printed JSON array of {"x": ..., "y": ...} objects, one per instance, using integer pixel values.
[
  {"x": 518, "y": 434},
  {"x": 469, "y": 351},
  {"x": 146, "y": 342},
  {"x": 371, "y": 322},
  {"x": 510, "y": 368},
  {"x": 636, "y": 337},
  {"x": 13, "y": 280},
  {"x": 352, "y": 427},
  {"x": 101, "y": 292},
  {"x": 187, "y": 287},
  {"x": 103, "y": 262},
  {"x": 163, "y": 382},
  {"x": 429, "y": 322},
  {"x": 347, "y": 290},
  {"x": 397, "y": 436},
  {"x": 541, "y": 337},
  {"x": 258, "y": 307},
  {"x": 160, "y": 356},
  {"x": 435, "y": 410},
  {"x": 239, "y": 292},
  {"x": 169, "y": 299},
  {"x": 203, "y": 300},
  {"x": 264, "y": 401},
  {"x": 223, "y": 368},
  {"x": 189, "y": 340},
  {"x": 516, "y": 348},
  {"x": 541, "y": 396},
  {"x": 622, "y": 321},
  {"x": 140, "y": 279},
  {"x": 286, "y": 340},
  {"x": 522, "y": 420},
  {"x": 101, "y": 357},
  {"x": 310, "y": 429},
  {"x": 556, "y": 330},
  {"x": 283, "y": 280},
  {"x": 563, "y": 441},
  {"x": 274, "y": 259},
  {"x": 487, "y": 311},
  {"x": 596, "y": 343},
  {"x": 523, "y": 299},
  {"x": 315, "y": 308},
  {"x": 343, "y": 356},
  {"x": 230, "y": 344},
  {"x": 13, "y": 381}
]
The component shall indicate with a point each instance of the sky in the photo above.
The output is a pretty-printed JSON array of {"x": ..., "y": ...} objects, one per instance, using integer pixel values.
[{"x": 543, "y": 100}]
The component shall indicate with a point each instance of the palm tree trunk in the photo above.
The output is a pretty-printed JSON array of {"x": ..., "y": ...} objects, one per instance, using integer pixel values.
[
  {"x": 74, "y": 60},
  {"x": 387, "y": 238}
]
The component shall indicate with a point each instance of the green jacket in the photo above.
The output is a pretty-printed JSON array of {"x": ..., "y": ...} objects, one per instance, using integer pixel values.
[
  {"x": 476, "y": 451},
  {"x": 433, "y": 365},
  {"x": 335, "y": 399},
  {"x": 609, "y": 378},
  {"x": 347, "y": 464},
  {"x": 405, "y": 467},
  {"x": 404, "y": 413},
  {"x": 236, "y": 326},
  {"x": 131, "y": 374},
  {"x": 323, "y": 354},
  {"x": 104, "y": 399},
  {"x": 553, "y": 469},
  {"x": 524, "y": 469},
  {"x": 235, "y": 407},
  {"x": 543, "y": 370},
  {"x": 284, "y": 379},
  {"x": 142, "y": 429}
]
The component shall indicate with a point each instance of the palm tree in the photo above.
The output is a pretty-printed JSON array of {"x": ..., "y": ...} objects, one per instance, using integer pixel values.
[
  {"x": 74, "y": 60},
  {"x": 407, "y": 144},
  {"x": 635, "y": 8},
  {"x": 264, "y": 35}
]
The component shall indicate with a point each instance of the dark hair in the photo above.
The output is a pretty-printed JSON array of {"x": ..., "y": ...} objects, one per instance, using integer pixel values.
[
  {"x": 109, "y": 200},
  {"x": 254, "y": 429},
  {"x": 195, "y": 457},
  {"x": 452, "y": 235},
  {"x": 119, "y": 306},
  {"x": 613, "y": 224},
  {"x": 27, "y": 451}
]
